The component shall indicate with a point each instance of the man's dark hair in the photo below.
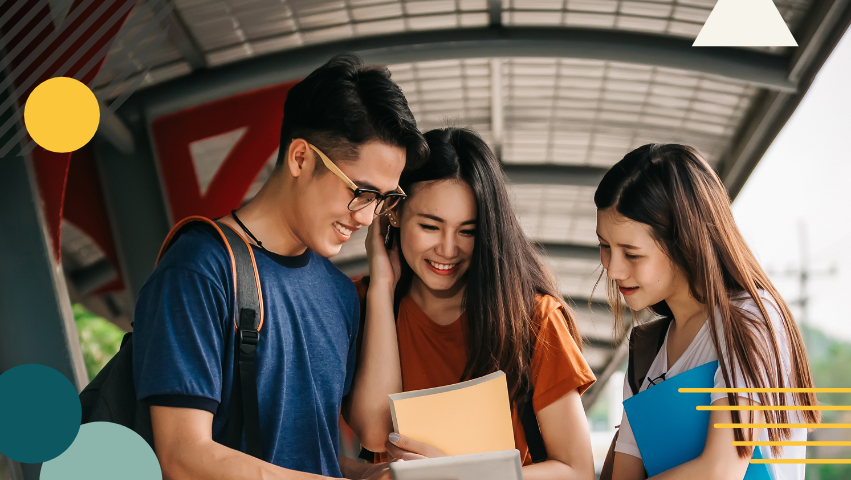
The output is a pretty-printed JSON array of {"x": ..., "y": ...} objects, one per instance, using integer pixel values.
[{"x": 344, "y": 104}]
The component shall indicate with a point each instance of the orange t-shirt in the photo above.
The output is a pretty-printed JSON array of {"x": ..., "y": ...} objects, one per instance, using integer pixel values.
[{"x": 434, "y": 355}]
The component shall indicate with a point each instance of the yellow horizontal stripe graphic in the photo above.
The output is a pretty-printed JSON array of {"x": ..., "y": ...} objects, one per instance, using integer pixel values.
[
  {"x": 772, "y": 407},
  {"x": 822, "y": 461},
  {"x": 793, "y": 443},
  {"x": 765, "y": 390},
  {"x": 783, "y": 425}
]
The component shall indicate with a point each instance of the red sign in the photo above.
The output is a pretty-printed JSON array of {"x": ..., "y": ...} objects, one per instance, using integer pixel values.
[{"x": 259, "y": 111}]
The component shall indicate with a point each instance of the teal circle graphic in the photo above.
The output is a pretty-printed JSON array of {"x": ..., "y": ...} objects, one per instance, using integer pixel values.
[
  {"x": 40, "y": 413},
  {"x": 104, "y": 451}
]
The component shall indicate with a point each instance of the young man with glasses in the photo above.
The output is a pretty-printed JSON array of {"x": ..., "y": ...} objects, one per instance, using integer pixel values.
[{"x": 346, "y": 136}]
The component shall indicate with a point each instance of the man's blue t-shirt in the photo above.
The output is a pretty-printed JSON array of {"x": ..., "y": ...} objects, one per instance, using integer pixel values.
[{"x": 183, "y": 341}]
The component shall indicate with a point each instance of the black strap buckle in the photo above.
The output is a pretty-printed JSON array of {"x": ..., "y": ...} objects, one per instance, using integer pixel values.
[{"x": 248, "y": 338}]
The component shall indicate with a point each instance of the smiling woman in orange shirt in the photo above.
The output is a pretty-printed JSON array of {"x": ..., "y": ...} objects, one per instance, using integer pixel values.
[{"x": 460, "y": 293}]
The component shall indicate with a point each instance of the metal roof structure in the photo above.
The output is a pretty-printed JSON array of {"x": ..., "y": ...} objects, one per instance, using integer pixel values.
[{"x": 561, "y": 89}]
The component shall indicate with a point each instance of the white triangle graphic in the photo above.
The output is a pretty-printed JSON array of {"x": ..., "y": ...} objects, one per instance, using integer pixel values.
[
  {"x": 209, "y": 154},
  {"x": 745, "y": 23}
]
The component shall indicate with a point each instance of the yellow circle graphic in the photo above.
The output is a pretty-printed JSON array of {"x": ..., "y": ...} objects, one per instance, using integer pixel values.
[{"x": 61, "y": 114}]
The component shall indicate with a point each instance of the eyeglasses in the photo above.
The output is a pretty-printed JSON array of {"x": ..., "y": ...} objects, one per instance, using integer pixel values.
[
  {"x": 656, "y": 381},
  {"x": 364, "y": 196}
]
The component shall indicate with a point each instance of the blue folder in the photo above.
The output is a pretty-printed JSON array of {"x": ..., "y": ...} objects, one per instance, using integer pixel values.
[{"x": 668, "y": 427}]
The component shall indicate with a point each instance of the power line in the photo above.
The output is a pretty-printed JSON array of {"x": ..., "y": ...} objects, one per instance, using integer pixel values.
[{"x": 804, "y": 273}]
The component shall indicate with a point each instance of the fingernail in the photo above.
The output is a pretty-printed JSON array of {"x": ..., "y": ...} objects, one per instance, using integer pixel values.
[{"x": 393, "y": 437}]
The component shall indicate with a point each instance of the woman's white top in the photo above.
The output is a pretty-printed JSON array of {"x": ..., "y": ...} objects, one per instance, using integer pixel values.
[{"x": 702, "y": 351}]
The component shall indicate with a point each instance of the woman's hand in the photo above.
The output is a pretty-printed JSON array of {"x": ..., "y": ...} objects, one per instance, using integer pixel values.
[
  {"x": 379, "y": 471},
  {"x": 355, "y": 470},
  {"x": 403, "y": 448},
  {"x": 377, "y": 372},
  {"x": 384, "y": 264}
]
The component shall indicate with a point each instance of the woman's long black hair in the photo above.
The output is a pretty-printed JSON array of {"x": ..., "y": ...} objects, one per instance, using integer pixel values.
[{"x": 506, "y": 271}]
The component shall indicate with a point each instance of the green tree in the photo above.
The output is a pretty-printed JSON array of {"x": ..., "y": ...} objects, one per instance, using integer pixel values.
[
  {"x": 829, "y": 359},
  {"x": 99, "y": 339}
]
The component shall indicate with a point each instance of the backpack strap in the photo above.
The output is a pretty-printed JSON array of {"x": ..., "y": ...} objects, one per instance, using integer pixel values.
[
  {"x": 609, "y": 463},
  {"x": 248, "y": 320},
  {"x": 532, "y": 431},
  {"x": 645, "y": 341}
]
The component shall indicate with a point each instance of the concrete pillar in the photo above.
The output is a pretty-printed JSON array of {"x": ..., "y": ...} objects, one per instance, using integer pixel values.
[{"x": 36, "y": 321}]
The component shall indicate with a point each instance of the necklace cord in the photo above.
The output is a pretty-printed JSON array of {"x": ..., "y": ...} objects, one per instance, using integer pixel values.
[{"x": 246, "y": 230}]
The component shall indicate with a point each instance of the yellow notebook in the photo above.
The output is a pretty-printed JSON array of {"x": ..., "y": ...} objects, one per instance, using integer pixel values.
[{"x": 468, "y": 417}]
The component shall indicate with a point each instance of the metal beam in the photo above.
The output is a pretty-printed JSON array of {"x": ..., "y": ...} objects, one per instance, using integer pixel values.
[
  {"x": 752, "y": 67},
  {"x": 497, "y": 113},
  {"x": 594, "y": 342},
  {"x": 182, "y": 38},
  {"x": 353, "y": 266},
  {"x": 495, "y": 13},
  {"x": 113, "y": 130},
  {"x": 772, "y": 109},
  {"x": 90, "y": 278},
  {"x": 549, "y": 174},
  {"x": 595, "y": 304},
  {"x": 36, "y": 320},
  {"x": 135, "y": 203},
  {"x": 566, "y": 250},
  {"x": 619, "y": 355},
  {"x": 827, "y": 16},
  {"x": 10, "y": 469},
  {"x": 103, "y": 305}
]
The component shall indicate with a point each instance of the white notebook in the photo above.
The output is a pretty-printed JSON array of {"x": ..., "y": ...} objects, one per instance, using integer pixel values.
[{"x": 503, "y": 465}]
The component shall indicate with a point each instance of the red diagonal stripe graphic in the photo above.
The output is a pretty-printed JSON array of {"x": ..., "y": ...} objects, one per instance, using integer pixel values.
[{"x": 51, "y": 169}]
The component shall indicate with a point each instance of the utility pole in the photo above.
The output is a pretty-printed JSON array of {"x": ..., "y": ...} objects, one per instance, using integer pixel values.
[{"x": 804, "y": 273}]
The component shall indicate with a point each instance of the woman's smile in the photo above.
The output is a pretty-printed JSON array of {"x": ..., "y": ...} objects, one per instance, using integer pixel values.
[{"x": 442, "y": 268}]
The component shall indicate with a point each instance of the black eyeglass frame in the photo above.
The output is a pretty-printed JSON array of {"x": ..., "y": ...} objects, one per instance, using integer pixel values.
[
  {"x": 656, "y": 381},
  {"x": 381, "y": 199}
]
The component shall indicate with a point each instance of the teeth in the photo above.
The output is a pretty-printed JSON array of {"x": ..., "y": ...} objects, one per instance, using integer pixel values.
[
  {"x": 345, "y": 231},
  {"x": 442, "y": 266}
]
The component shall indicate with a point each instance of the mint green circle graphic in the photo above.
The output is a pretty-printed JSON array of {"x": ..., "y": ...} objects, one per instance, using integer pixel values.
[
  {"x": 104, "y": 451},
  {"x": 39, "y": 413}
]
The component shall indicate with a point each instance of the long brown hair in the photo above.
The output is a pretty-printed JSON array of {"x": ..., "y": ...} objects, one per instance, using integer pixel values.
[
  {"x": 506, "y": 271},
  {"x": 672, "y": 189}
]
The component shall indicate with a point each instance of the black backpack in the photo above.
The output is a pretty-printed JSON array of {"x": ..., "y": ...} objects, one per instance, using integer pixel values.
[
  {"x": 531, "y": 429},
  {"x": 645, "y": 341},
  {"x": 111, "y": 395}
]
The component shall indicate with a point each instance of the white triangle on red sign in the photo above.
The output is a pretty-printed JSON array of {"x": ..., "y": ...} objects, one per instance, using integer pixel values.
[
  {"x": 208, "y": 155},
  {"x": 58, "y": 11},
  {"x": 745, "y": 23}
]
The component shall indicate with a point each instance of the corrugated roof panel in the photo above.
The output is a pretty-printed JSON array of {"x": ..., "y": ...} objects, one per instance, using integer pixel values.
[
  {"x": 125, "y": 53},
  {"x": 232, "y": 30},
  {"x": 425, "y": 7},
  {"x": 628, "y": 96},
  {"x": 376, "y": 12},
  {"x": 682, "y": 18},
  {"x": 646, "y": 9}
]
